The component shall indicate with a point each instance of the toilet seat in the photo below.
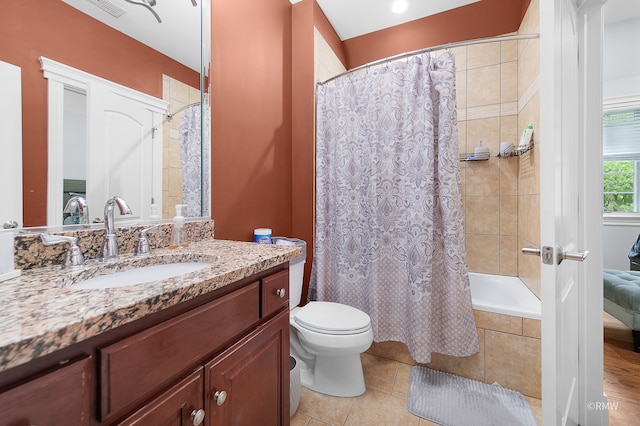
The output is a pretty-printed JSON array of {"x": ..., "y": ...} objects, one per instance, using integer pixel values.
[{"x": 332, "y": 318}]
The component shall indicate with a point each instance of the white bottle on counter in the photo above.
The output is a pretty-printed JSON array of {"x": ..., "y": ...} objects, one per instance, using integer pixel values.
[{"x": 178, "y": 234}]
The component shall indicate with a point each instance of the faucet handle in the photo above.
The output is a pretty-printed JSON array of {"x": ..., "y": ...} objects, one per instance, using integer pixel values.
[
  {"x": 74, "y": 257},
  {"x": 142, "y": 249}
]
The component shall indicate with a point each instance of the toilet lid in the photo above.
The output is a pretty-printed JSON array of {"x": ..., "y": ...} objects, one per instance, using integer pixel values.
[{"x": 332, "y": 318}]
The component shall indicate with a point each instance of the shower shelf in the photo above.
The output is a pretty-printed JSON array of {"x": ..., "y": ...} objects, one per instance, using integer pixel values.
[
  {"x": 471, "y": 157},
  {"x": 514, "y": 153},
  {"x": 518, "y": 152}
]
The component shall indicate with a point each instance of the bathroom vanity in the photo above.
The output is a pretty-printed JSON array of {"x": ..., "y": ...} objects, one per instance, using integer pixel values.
[{"x": 209, "y": 348}]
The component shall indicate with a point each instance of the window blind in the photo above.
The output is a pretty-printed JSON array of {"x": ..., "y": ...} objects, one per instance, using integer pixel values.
[{"x": 621, "y": 135}]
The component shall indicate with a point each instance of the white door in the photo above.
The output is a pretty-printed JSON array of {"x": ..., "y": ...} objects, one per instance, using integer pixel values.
[
  {"x": 120, "y": 152},
  {"x": 10, "y": 145},
  {"x": 571, "y": 353}
]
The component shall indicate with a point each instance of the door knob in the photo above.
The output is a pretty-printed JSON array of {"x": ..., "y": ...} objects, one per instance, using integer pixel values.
[
  {"x": 578, "y": 256},
  {"x": 281, "y": 292},
  {"x": 548, "y": 258}
]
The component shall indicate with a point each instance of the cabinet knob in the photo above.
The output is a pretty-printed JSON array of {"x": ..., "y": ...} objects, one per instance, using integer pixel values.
[
  {"x": 220, "y": 397},
  {"x": 281, "y": 292},
  {"x": 197, "y": 416}
]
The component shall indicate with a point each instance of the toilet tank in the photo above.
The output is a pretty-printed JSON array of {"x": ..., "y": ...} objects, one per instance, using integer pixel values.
[{"x": 296, "y": 268}]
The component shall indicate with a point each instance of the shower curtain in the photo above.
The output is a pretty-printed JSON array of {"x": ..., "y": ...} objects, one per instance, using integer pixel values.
[
  {"x": 194, "y": 160},
  {"x": 389, "y": 236}
]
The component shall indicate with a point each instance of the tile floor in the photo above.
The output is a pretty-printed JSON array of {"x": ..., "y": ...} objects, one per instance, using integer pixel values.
[{"x": 383, "y": 403}]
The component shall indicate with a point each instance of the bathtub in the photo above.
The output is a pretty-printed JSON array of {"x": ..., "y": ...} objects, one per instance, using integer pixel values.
[{"x": 503, "y": 295}]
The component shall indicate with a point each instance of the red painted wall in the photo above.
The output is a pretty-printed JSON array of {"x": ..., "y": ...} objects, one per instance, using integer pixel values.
[
  {"x": 251, "y": 117},
  {"x": 51, "y": 28}
]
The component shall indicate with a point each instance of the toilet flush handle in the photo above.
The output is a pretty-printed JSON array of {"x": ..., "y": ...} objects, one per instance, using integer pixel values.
[{"x": 281, "y": 292}]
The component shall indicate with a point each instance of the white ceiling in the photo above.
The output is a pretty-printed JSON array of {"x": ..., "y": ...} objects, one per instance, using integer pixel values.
[
  {"x": 178, "y": 36},
  {"x": 352, "y": 18}
]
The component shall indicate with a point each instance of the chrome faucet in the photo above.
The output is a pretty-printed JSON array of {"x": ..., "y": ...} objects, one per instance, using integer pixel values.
[
  {"x": 110, "y": 248},
  {"x": 78, "y": 204}
]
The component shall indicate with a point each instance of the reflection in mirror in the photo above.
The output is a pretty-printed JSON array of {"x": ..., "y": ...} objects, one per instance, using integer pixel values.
[{"x": 161, "y": 60}]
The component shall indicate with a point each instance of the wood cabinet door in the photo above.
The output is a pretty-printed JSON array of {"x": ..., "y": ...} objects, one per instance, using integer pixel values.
[
  {"x": 181, "y": 405},
  {"x": 60, "y": 397},
  {"x": 248, "y": 384}
]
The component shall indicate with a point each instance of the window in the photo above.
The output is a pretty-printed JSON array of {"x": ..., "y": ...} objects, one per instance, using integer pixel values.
[{"x": 621, "y": 158}]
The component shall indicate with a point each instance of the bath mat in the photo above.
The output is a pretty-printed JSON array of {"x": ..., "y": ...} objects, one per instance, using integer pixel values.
[{"x": 451, "y": 400}]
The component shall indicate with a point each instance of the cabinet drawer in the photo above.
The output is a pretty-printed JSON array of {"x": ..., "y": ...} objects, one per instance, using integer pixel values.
[
  {"x": 275, "y": 292},
  {"x": 60, "y": 397},
  {"x": 175, "y": 406},
  {"x": 135, "y": 368}
]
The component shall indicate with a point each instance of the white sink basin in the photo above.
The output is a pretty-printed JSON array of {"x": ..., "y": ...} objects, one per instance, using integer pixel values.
[{"x": 140, "y": 275}]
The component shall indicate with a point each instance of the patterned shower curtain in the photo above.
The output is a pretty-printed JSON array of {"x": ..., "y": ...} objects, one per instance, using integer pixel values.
[
  {"x": 194, "y": 160},
  {"x": 389, "y": 236}
]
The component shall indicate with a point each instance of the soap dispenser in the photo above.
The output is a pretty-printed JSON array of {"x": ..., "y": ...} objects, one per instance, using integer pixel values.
[{"x": 178, "y": 234}]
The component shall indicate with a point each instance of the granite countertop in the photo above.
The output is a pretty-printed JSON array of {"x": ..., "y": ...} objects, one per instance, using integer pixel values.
[{"x": 40, "y": 313}]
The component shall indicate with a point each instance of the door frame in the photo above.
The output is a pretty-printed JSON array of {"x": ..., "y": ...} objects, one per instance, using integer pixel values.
[{"x": 60, "y": 76}]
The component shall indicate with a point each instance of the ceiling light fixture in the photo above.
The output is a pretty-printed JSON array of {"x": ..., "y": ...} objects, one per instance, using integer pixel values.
[{"x": 399, "y": 6}]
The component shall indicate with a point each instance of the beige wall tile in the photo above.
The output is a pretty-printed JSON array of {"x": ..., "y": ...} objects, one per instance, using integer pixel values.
[
  {"x": 462, "y": 137},
  {"x": 463, "y": 174},
  {"x": 481, "y": 253},
  {"x": 509, "y": 169},
  {"x": 508, "y": 51},
  {"x": 509, "y": 255},
  {"x": 179, "y": 91},
  {"x": 532, "y": 328},
  {"x": 528, "y": 64},
  {"x": 485, "y": 129},
  {"x": 481, "y": 214},
  {"x": 509, "y": 82},
  {"x": 498, "y": 322},
  {"x": 514, "y": 362},
  {"x": 485, "y": 82},
  {"x": 470, "y": 366},
  {"x": 509, "y": 129},
  {"x": 529, "y": 268},
  {"x": 483, "y": 178},
  {"x": 461, "y": 89},
  {"x": 481, "y": 55},
  {"x": 508, "y": 215},
  {"x": 460, "y": 53},
  {"x": 529, "y": 218}
]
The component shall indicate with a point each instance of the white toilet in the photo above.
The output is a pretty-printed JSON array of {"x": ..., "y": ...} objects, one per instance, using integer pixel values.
[{"x": 327, "y": 339}]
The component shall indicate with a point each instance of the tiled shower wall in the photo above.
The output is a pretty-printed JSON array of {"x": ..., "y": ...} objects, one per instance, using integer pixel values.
[
  {"x": 178, "y": 94},
  {"x": 529, "y": 169},
  {"x": 498, "y": 96}
]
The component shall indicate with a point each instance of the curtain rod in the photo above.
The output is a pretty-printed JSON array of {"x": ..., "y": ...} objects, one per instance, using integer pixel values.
[
  {"x": 169, "y": 115},
  {"x": 430, "y": 49}
]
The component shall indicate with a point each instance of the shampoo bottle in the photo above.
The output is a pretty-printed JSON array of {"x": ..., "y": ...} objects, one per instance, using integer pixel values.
[
  {"x": 525, "y": 140},
  {"x": 178, "y": 235}
]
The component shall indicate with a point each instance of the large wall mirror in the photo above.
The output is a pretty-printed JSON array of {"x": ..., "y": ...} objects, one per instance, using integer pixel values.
[{"x": 113, "y": 95}]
